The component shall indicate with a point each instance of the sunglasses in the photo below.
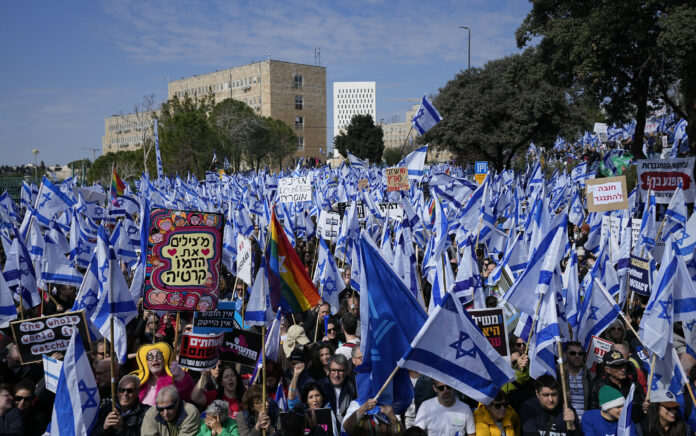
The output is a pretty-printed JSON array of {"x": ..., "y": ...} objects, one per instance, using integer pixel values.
[
  {"x": 330, "y": 330},
  {"x": 521, "y": 344},
  {"x": 163, "y": 408},
  {"x": 671, "y": 409},
  {"x": 576, "y": 353},
  {"x": 156, "y": 356},
  {"x": 19, "y": 398},
  {"x": 499, "y": 405},
  {"x": 442, "y": 388},
  {"x": 126, "y": 390}
]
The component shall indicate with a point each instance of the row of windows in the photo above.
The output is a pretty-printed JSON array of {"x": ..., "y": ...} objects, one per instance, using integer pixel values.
[
  {"x": 352, "y": 114},
  {"x": 222, "y": 86},
  {"x": 125, "y": 139},
  {"x": 131, "y": 125},
  {"x": 359, "y": 90},
  {"x": 353, "y": 107},
  {"x": 359, "y": 100}
]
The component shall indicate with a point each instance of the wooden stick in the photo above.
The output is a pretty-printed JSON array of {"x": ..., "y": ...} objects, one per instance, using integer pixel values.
[
  {"x": 316, "y": 326},
  {"x": 531, "y": 331},
  {"x": 113, "y": 365},
  {"x": 386, "y": 383},
  {"x": 570, "y": 425},
  {"x": 263, "y": 370},
  {"x": 176, "y": 331},
  {"x": 650, "y": 377}
]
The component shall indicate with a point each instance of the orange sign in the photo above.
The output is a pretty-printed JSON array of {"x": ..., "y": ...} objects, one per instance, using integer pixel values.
[{"x": 397, "y": 179}]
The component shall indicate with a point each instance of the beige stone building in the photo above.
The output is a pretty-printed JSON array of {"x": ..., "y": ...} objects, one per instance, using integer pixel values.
[
  {"x": 293, "y": 93},
  {"x": 127, "y": 131}
]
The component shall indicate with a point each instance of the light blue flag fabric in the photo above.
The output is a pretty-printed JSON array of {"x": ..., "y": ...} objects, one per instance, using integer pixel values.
[
  {"x": 468, "y": 286},
  {"x": 20, "y": 274},
  {"x": 329, "y": 277},
  {"x": 391, "y": 318},
  {"x": 443, "y": 282},
  {"x": 50, "y": 201},
  {"x": 355, "y": 162},
  {"x": 577, "y": 210},
  {"x": 648, "y": 232},
  {"x": 427, "y": 117},
  {"x": 673, "y": 299},
  {"x": 542, "y": 349},
  {"x": 687, "y": 239},
  {"x": 450, "y": 348},
  {"x": 597, "y": 312},
  {"x": 76, "y": 406},
  {"x": 258, "y": 310},
  {"x": 56, "y": 268},
  {"x": 668, "y": 373},
  {"x": 8, "y": 311},
  {"x": 415, "y": 161},
  {"x": 571, "y": 289},
  {"x": 675, "y": 215},
  {"x": 626, "y": 427}
]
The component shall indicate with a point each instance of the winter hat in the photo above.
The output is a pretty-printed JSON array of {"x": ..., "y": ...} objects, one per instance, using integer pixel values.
[
  {"x": 610, "y": 397},
  {"x": 296, "y": 335}
]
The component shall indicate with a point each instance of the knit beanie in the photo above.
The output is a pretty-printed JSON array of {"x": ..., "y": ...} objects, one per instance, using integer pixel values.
[{"x": 610, "y": 397}]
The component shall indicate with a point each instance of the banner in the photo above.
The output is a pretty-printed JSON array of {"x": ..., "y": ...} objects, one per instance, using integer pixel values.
[
  {"x": 397, "y": 179},
  {"x": 244, "y": 259},
  {"x": 183, "y": 260},
  {"x": 51, "y": 369},
  {"x": 294, "y": 189},
  {"x": 328, "y": 225},
  {"x": 638, "y": 276},
  {"x": 213, "y": 321},
  {"x": 394, "y": 210},
  {"x": 323, "y": 425},
  {"x": 47, "y": 335},
  {"x": 608, "y": 193},
  {"x": 663, "y": 177},
  {"x": 199, "y": 351},
  {"x": 598, "y": 348},
  {"x": 491, "y": 322},
  {"x": 241, "y": 346}
]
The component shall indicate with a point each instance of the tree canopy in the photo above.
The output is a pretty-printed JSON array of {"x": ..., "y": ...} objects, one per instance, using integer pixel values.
[{"x": 363, "y": 138}]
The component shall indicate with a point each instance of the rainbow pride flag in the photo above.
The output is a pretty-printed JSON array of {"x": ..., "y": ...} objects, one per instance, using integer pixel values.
[
  {"x": 117, "y": 186},
  {"x": 291, "y": 287}
]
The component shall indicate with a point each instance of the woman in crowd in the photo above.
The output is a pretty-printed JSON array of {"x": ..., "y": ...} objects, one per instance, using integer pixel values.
[
  {"x": 255, "y": 418},
  {"x": 497, "y": 415},
  {"x": 217, "y": 422},
  {"x": 320, "y": 360},
  {"x": 663, "y": 417},
  {"x": 230, "y": 389},
  {"x": 34, "y": 421},
  {"x": 156, "y": 370}
]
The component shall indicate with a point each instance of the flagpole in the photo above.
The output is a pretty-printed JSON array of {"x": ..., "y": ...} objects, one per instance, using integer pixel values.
[
  {"x": 113, "y": 363},
  {"x": 386, "y": 383},
  {"x": 263, "y": 370},
  {"x": 321, "y": 295},
  {"x": 570, "y": 425},
  {"x": 534, "y": 320},
  {"x": 650, "y": 377}
]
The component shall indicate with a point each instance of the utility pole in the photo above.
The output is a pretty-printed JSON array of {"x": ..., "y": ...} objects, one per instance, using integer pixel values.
[
  {"x": 468, "y": 67},
  {"x": 94, "y": 152}
]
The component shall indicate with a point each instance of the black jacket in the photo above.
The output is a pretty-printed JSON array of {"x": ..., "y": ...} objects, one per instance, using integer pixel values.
[
  {"x": 536, "y": 420},
  {"x": 132, "y": 421},
  {"x": 339, "y": 405},
  {"x": 638, "y": 395}
]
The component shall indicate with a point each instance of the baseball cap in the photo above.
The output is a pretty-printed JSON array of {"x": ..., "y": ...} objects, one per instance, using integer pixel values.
[{"x": 614, "y": 357}]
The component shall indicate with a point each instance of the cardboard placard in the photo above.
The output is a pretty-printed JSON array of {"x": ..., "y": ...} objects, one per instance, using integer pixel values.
[
  {"x": 294, "y": 189},
  {"x": 639, "y": 275},
  {"x": 244, "y": 259},
  {"x": 363, "y": 184},
  {"x": 47, "y": 335},
  {"x": 183, "y": 260},
  {"x": 51, "y": 369},
  {"x": 662, "y": 176},
  {"x": 598, "y": 348},
  {"x": 213, "y": 321},
  {"x": 328, "y": 225},
  {"x": 394, "y": 210},
  {"x": 199, "y": 351},
  {"x": 491, "y": 322},
  {"x": 608, "y": 193},
  {"x": 241, "y": 346},
  {"x": 324, "y": 423},
  {"x": 397, "y": 179}
]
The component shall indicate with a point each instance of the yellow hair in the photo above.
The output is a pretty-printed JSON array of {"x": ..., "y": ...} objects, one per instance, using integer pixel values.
[{"x": 143, "y": 371}]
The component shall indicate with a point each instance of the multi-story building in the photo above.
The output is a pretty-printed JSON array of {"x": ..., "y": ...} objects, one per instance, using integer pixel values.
[
  {"x": 352, "y": 98},
  {"x": 293, "y": 93},
  {"x": 127, "y": 131},
  {"x": 395, "y": 133}
]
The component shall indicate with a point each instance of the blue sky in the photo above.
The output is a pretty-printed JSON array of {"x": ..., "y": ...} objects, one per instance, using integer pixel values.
[{"x": 67, "y": 65}]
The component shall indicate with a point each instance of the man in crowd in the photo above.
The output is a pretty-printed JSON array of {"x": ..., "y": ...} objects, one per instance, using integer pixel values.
[
  {"x": 604, "y": 421},
  {"x": 616, "y": 368},
  {"x": 445, "y": 415},
  {"x": 579, "y": 382},
  {"x": 545, "y": 413},
  {"x": 349, "y": 323},
  {"x": 128, "y": 417},
  {"x": 338, "y": 387},
  {"x": 170, "y": 416}
]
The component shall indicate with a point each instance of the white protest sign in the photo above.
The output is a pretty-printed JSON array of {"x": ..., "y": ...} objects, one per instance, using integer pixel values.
[
  {"x": 601, "y": 130},
  {"x": 635, "y": 234},
  {"x": 598, "y": 348},
  {"x": 244, "y": 259},
  {"x": 608, "y": 193},
  {"x": 614, "y": 226},
  {"x": 328, "y": 225},
  {"x": 394, "y": 210},
  {"x": 662, "y": 176},
  {"x": 294, "y": 189},
  {"x": 52, "y": 369}
]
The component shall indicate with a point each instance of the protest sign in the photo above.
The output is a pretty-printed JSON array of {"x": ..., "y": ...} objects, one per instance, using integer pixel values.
[
  {"x": 491, "y": 322},
  {"x": 244, "y": 259},
  {"x": 397, "y": 179},
  {"x": 342, "y": 206},
  {"x": 614, "y": 226},
  {"x": 294, "y": 189},
  {"x": 598, "y": 348},
  {"x": 52, "y": 369},
  {"x": 47, "y": 335},
  {"x": 364, "y": 184},
  {"x": 241, "y": 346},
  {"x": 183, "y": 260},
  {"x": 638, "y": 275},
  {"x": 328, "y": 225},
  {"x": 219, "y": 320},
  {"x": 659, "y": 247},
  {"x": 608, "y": 193},
  {"x": 199, "y": 351},
  {"x": 323, "y": 423},
  {"x": 662, "y": 176},
  {"x": 394, "y": 210}
]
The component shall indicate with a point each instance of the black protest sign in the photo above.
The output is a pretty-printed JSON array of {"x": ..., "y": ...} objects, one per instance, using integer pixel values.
[
  {"x": 199, "y": 351},
  {"x": 47, "y": 335},
  {"x": 213, "y": 321},
  {"x": 491, "y": 322},
  {"x": 638, "y": 271},
  {"x": 241, "y": 346}
]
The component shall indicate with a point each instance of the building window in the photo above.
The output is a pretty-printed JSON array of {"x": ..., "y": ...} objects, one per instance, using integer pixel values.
[
  {"x": 299, "y": 122},
  {"x": 300, "y": 142},
  {"x": 298, "y": 81},
  {"x": 298, "y": 102}
]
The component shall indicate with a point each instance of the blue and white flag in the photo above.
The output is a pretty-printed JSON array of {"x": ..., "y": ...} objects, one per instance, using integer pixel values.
[
  {"x": 55, "y": 267},
  {"x": 329, "y": 277},
  {"x": 415, "y": 161},
  {"x": 687, "y": 239},
  {"x": 626, "y": 427},
  {"x": 426, "y": 117},
  {"x": 597, "y": 312},
  {"x": 450, "y": 348},
  {"x": 258, "y": 310},
  {"x": 76, "y": 406},
  {"x": 675, "y": 215},
  {"x": 577, "y": 210},
  {"x": 571, "y": 291},
  {"x": 160, "y": 169},
  {"x": 50, "y": 201},
  {"x": 20, "y": 274},
  {"x": 272, "y": 346},
  {"x": 468, "y": 286},
  {"x": 8, "y": 311},
  {"x": 356, "y": 162},
  {"x": 542, "y": 357}
]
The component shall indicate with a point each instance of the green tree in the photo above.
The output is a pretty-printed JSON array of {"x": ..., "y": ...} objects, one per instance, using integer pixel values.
[
  {"x": 492, "y": 113},
  {"x": 392, "y": 156},
  {"x": 237, "y": 126},
  {"x": 282, "y": 140},
  {"x": 187, "y": 138},
  {"x": 129, "y": 165},
  {"x": 363, "y": 138}
]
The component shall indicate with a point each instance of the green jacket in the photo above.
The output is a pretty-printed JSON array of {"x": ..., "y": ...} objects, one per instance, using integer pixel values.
[{"x": 229, "y": 428}]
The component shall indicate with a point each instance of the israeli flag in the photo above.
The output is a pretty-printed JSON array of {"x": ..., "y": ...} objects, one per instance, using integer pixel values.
[
  {"x": 8, "y": 311},
  {"x": 50, "y": 201},
  {"x": 356, "y": 162},
  {"x": 451, "y": 348},
  {"x": 258, "y": 311},
  {"x": 626, "y": 426},
  {"x": 328, "y": 276},
  {"x": 426, "y": 117},
  {"x": 415, "y": 161},
  {"x": 76, "y": 407},
  {"x": 687, "y": 239},
  {"x": 55, "y": 267}
]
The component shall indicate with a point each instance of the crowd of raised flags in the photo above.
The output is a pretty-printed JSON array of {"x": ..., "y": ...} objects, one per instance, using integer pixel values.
[{"x": 413, "y": 305}]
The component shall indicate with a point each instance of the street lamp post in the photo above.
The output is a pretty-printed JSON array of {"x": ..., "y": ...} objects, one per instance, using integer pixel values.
[
  {"x": 35, "y": 152},
  {"x": 468, "y": 67}
]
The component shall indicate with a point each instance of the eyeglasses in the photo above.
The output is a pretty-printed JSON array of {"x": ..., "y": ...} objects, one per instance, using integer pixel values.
[
  {"x": 126, "y": 390},
  {"x": 499, "y": 405},
  {"x": 19, "y": 398},
  {"x": 163, "y": 408},
  {"x": 336, "y": 371},
  {"x": 576, "y": 353},
  {"x": 155, "y": 356},
  {"x": 442, "y": 388}
]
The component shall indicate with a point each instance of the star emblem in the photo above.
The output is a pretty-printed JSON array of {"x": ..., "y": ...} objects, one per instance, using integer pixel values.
[
  {"x": 46, "y": 198},
  {"x": 593, "y": 313},
  {"x": 459, "y": 346},
  {"x": 666, "y": 309},
  {"x": 329, "y": 285},
  {"x": 91, "y": 393},
  {"x": 102, "y": 271},
  {"x": 88, "y": 301},
  {"x": 577, "y": 209},
  {"x": 684, "y": 236},
  {"x": 656, "y": 378},
  {"x": 690, "y": 325}
]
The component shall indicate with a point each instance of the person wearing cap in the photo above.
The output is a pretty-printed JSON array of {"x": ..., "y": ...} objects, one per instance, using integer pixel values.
[
  {"x": 296, "y": 335},
  {"x": 604, "y": 421},
  {"x": 663, "y": 415},
  {"x": 616, "y": 375}
]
